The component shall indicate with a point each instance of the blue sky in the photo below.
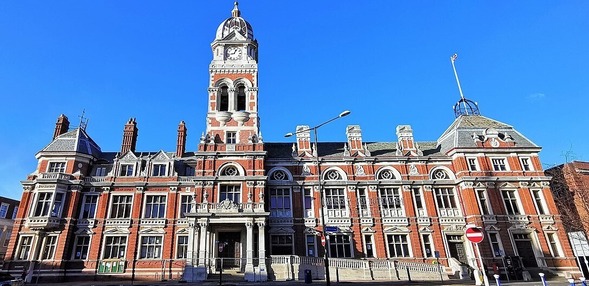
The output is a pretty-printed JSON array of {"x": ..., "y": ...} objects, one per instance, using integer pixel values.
[{"x": 525, "y": 62}]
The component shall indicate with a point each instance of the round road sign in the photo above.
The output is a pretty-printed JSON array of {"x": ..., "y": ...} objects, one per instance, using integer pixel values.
[{"x": 474, "y": 234}]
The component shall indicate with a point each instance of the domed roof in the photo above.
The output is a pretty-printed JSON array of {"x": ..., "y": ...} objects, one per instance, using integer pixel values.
[{"x": 235, "y": 23}]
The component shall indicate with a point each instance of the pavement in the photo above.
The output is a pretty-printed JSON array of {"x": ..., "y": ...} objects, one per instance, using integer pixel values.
[{"x": 302, "y": 283}]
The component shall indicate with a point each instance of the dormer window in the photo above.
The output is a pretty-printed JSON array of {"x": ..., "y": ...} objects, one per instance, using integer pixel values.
[
  {"x": 499, "y": 164},
  {"x": 48, "y": 204},
  {"x": 56, "y": 167},
  {"x": 159, "y": 170},
  {"x": 126, "y": 170},
  {"x": 100, "y": 172},
  {"x": 525, "y": 161}
]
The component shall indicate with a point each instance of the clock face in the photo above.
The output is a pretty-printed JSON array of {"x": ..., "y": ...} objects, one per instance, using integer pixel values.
[{"x": 234, "y": 53}]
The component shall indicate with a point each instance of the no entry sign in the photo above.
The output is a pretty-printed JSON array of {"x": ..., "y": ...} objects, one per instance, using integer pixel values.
[{"x": 474, "y": 234}]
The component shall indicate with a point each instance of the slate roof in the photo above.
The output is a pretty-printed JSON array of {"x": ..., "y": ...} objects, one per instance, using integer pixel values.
[
  {"x": 459, "y": 134},
  {"x": 336, "y": 149},
  {"x": 76, "y": 140}
]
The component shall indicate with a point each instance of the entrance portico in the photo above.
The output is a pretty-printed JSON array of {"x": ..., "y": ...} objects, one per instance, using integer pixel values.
[{"x": 229, "y": 235}]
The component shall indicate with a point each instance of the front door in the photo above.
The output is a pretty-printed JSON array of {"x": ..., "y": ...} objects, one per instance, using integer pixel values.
[
  {"x": 229, "y": 249},
  {"x": 523, "y": 243},
  {"x": 456, "y": 248}
]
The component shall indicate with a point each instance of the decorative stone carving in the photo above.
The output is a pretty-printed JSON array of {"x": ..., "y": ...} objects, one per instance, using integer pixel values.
[
  {"x": 360, "y": 171},
  {"x": 306, "y": 170},
  {"x": 413, "y": 170}
]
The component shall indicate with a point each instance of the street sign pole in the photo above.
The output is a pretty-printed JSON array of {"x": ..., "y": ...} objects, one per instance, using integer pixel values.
[{"x": 475, "y": 235}]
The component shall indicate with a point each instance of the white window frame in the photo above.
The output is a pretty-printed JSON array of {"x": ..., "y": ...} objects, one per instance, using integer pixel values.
[
  {"x": 476, "y": 164},
  {"x": 231, "y": 189},
  {"x": 158, "y": 167},
  {"x": 542, "y": 201},
  {"x": 76, "y": 242},
  {"x": 311, "y": 245},
  {"x": 282, "y": 211},
  {"x": 15, "y": 212},
  {"x": 407, "y": 241},
  {"x": 309, "y": 193},
  {"x": 558, "y": 250},
  {"x": 365, "y": 245},
  {"x": 183, "y": 251},
  {"x": 343, "y": 244},
  {"x": 282, "y": 235},
  {"x": 517, "y": 201},
  {"x": 21, "y": 239},
  {"x": 124, "y": 244},
  {"x": 100, "y": 171},
  {"x": 387, "y": 208},
  {"x": 453, "y": 210},
  {"x": 231, "y": 137},
  {"x": 50, "y": 211},
  {"x": 504, "y": 161},
  {"x": 421, "y": 212},
  {"x": 423, "y": 244},
  {"x": 363, "y": 202},
  {"x": 159, "y": 204},
  {"x": 60, "y": 169},
  {"x": 6, "y": 241},
  {"x": 111, "y": 203},
  {"x": 499, "y": 243},
  {"x": 49, "y": 247},
  {"x": 529, "y": 164},
  {"x": 124, "y": 170},
  {"x": 84, "y": 205},
  {"x": 4, "y": 210},
  {"x": 486, "y": 202},
  {"x": 157, "y": 248},
  {"x": 189, "y": 204}
]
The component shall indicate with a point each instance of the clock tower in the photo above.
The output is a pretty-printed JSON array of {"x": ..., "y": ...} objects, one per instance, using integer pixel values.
[{"x": 232, "y": 117}]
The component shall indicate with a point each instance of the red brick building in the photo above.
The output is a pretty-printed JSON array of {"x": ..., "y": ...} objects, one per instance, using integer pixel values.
[{"x": 137, "y": 214}]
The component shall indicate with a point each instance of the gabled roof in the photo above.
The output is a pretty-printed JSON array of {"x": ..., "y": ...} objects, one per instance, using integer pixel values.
[
  {"x": 459, "y": 134},
  {"x": 76, "y": 140}
]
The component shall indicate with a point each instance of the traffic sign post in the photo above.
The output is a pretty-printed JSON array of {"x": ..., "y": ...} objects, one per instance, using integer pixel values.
[{"x": 475, "y": 235}]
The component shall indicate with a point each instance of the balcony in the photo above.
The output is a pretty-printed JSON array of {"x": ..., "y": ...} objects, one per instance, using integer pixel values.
[
  {"x": 161, "y": 222},
  {"x": 518, "y": 219},
  {"x": 86, "y": 222},
  {"x": 118, "y": 222},
  {"x": 339, "y": 221},
  {"x": 491, "y": 219},
  {"x": 229, "y": 207},
  {"x": 43, "y": 223},
  {"x": 54, "y": 176},
  {"x": 287, "y": 221},
  {"x": 547, "y": 219},
  {"x": 182, "y": 221}
]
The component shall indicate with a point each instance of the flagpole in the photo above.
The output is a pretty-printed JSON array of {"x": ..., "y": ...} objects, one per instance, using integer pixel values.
[{"x": 453, "y": 59}]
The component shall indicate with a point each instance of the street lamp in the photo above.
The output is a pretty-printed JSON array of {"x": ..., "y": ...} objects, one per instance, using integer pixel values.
[{"x": 320, "y": 182}]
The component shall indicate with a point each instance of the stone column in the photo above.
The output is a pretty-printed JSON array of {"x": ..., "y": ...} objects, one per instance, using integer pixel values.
[
  {"x": 201, "y": 269},
  {"x": 249, "y": 267},
  {"x": 262, "y": 273}
]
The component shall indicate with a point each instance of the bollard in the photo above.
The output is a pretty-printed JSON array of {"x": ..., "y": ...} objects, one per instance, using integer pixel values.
[
  {"x": 408, "y": 274},
  {"x": 583, "y": 281},
  {"x": 571, "y": 281},
  {"x": 543, "y": 279},
  {"x": 497, "y": 281}
]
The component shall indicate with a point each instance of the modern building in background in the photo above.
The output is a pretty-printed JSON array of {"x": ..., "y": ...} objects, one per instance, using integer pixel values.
[{"x": 239, "y": 202}]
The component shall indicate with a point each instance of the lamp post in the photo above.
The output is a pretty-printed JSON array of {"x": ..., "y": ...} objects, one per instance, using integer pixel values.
[{"x": 320, "y": 182}]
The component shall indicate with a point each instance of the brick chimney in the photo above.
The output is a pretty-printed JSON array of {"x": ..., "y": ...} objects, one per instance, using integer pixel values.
[
  {"x": 129, "y": 136},
  {"x": 405, "y": 144},
  {"x": 181, "y": 142},
  {"x": 354, "y": 134},
  {"x": 303, "y": 139},
  {"x": 61, "y": 126}
]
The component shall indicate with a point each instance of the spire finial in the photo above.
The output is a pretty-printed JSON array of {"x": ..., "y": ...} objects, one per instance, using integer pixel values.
[{"x": 235, "y": 12}]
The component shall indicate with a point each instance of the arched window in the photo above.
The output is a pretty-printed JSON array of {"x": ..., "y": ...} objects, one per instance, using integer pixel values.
[
  {"x": 224, "y": 99},
  {"x": 241, "y": 99},
  {"x": 230, "y": 171},
  {"x": 440, "y": 175},
  {"x": 333, "y": 175},
  {"x": 279, "y": 175},
  {"x": 386, "y": 175}
]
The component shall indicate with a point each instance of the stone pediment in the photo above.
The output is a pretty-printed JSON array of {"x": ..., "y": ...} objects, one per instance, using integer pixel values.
[
  {"x": 160, "y": 156},
  {"x": 182, "y": 231},
  {"x": 129, "y": 156},
  {"x": 426, "y": 229},
  {"x": 310, "y": 230},
  {"x": 152, "y": 230},
  {"x": 117, "y": 230},
  {"x": 396, "y": 229},
  {"x": 368, "y": 230}
]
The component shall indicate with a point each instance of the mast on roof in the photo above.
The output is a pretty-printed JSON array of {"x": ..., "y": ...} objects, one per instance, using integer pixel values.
[{"x": 463, "y": 106}]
